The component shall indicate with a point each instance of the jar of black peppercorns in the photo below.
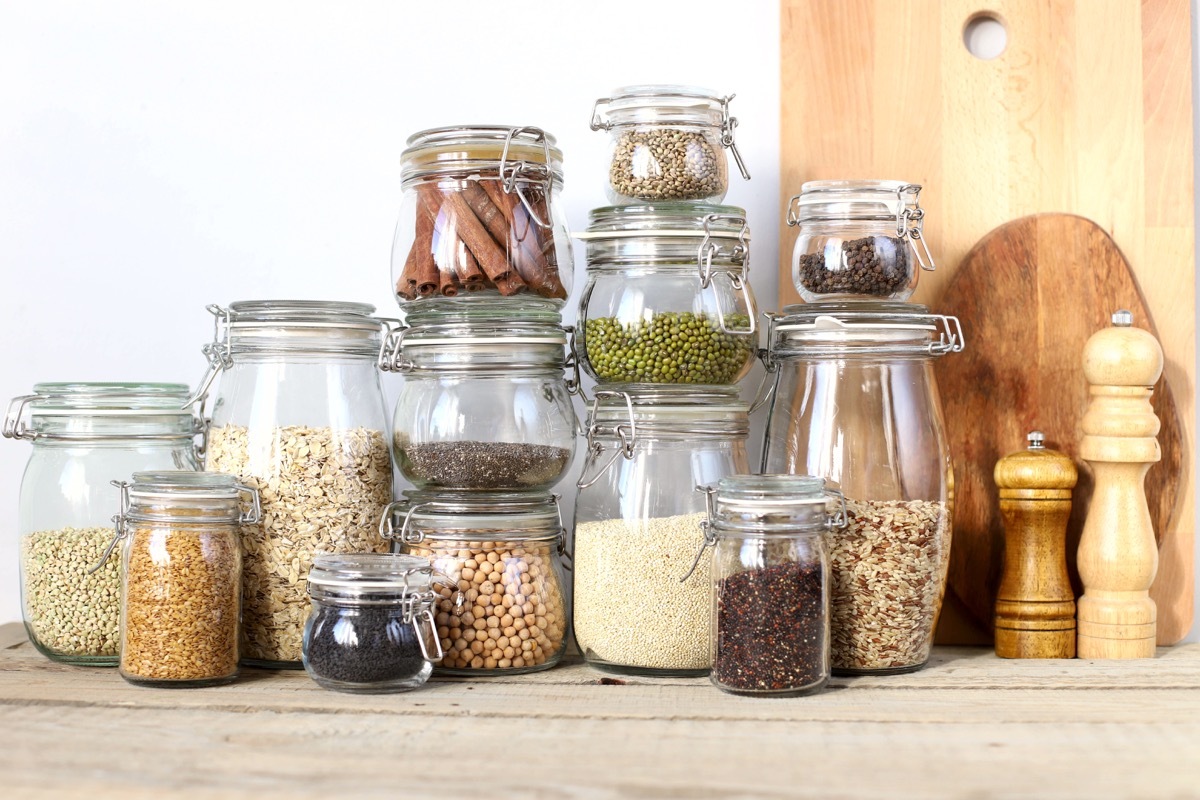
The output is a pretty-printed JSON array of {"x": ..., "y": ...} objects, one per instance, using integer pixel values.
[
  {"x": 770, "y": 577},
  {"x": 372, "y": 628},
  {"x": 858, "y": 240}
]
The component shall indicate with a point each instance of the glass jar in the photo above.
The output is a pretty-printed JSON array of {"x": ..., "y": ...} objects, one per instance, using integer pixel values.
[
  {"x": 858, "y": 240},
  {"x": 770, "y": 577},
  {"x": 182, "y": 576},
  {"x": 637, "y": 525},
  {"x": 505, "y": 610},
  {"x": 299, "y": 416},
  {"x": 855, "y": 402},
  {"x": 485, "y": 404},
  {"x": 668, "y": 297},
  {"x": 371, "y": 626},
  {"x": 667, "y": 144},
  {"x": 83, "y": 434},
  {"x": 481, "y": 221}
]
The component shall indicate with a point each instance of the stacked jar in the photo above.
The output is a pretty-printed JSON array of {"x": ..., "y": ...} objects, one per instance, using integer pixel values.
[
  {"x": 668, "y": 327},
  {"x": 855, "y": 402},
  {"x": 484, "y": 426}
]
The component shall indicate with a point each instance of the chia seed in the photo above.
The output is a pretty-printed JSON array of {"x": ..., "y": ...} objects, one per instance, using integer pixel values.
[
  {"x": 482, "y": 465},
  {"x": 873, "y": 265},
  {"x": 363, "y": 649}
]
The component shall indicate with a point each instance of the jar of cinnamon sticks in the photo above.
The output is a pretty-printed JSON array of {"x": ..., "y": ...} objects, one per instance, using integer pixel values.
[{"x": 481, "y": 221}]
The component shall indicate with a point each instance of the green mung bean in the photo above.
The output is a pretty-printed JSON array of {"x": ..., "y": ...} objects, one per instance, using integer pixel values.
[{"x": 669, "y": 347}]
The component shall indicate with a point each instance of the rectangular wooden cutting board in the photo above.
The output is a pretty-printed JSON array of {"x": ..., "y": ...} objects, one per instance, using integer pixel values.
[{"x": 1087, "y": 111}]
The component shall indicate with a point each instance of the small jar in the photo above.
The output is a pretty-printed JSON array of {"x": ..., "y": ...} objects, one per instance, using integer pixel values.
[
  {"x": 505, "y": 609},
  {"x": 485, "y": 404},
  {"x": 182, "y": 576},
  {"x": 770, "y": 577},
  {"x": 481, "y": 223},
  {"x": 371, "y": 629},
  {"x": 858, "y": 240},
  {"x": 668, "y": 297},
  {"x": 83, "y": 434},
  {"x": 638, "y": 609},
  {"x": 668, "y": 143}
]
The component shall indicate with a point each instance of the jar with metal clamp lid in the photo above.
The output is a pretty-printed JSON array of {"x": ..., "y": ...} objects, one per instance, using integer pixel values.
[
  {"x": 372, "y": 627},
  {"x": 855, "y": 402},
  {"x": 505, "y": 610},
  {"x": 637, "y": 524},
  {"x": 770, "y": 574},
  {"x": 181, "y": 563},
  {"x": 481, "y": 222},
  {"x": 83, "y": 434},
  {"x": 668, "y": 143},
  {"x": 486, "y": 402},
  {"x": 668, "y": 297},
  {"x": 299, "y": 415},
  {"x": 858, "y": 240}
]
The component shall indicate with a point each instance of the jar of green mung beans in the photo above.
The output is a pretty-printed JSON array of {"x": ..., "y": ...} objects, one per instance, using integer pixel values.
[{"x": 668, "y": 297}]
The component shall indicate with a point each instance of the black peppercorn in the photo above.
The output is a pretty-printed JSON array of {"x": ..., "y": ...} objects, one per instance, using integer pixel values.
[{"x": 874, "y": 265}]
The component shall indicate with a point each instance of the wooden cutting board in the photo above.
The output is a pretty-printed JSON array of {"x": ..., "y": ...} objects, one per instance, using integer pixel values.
[
  {"x": 1036, "y": 289},
  {"x": 1088, "y": 111}
]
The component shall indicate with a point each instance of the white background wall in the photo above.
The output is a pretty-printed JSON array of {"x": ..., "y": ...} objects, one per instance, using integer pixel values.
[{"x": 158, "y": 157}]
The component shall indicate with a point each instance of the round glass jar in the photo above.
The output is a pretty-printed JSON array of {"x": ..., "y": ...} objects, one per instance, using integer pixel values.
[
  {"x": 858, "y": 240},
  {"x": 181, "y": 565},
  {"x": 300, "y": 416},
  {"x": 668, "y": 297},
  {"x": 855, "y": 402},
  {"x": 638, "y": 519},
  {"x": 83, "y": 435},
  {"x": 668, "y": 144},
  {"x": 505, "y": 609},
  {"x": 770, "y": 574},
  {"x": 481, "y": 221},
  {"x": 371, "y": 629},
  {"x": 485, "y": 404}
]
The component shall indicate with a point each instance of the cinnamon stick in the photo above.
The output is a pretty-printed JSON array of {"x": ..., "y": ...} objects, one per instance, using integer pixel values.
[
  {"x": 464, "y": 223},
  {"x": 421, "y": 269},
  {"x": 523, "y": 239}
]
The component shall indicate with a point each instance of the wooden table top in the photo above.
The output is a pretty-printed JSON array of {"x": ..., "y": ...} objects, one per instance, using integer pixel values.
[{"x": 969, "y": 725}]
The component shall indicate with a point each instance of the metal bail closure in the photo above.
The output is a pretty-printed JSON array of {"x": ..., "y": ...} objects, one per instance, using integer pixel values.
[
  {"x": 561, "y": 540},
  {"x": 793, "y": 211},
  {"x": 598, "y": 123},
  {"x": 252, "y": 516},
  {"x": 392, "y": 347},
  {"x": 728, "y": 126},
  {"x": 14, "y": 422},
  {"x": 950, "y": 337},
  {"x": 408, "y": 534},
  {"x": 910, "y": 220},
  {"x": 706, "y": 527},
  {"x": 627, "y": 435},
  {"x": 842, "y": 518},
  {"x": 219, "y": 354},
  {"x": 527, "y": 170},
  {"x": 740, "y": 255},
  {"x": 119, "y": 527}
]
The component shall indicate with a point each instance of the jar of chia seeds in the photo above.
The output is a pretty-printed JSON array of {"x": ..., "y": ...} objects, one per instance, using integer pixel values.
[
  {"x": 83, "y": 436},
  {"x": 858, "y": 240},
  {"x": 668, "y": 297},
  {"x": 638, "y": 513},
  {"x": 505, "y": 609},
  {"x": 668, "y": 144},
  {"x": 486, "y": 402},
  {"x": 481, "y": 223},
  {"x": 855, "y": 402},
  {"x": 770, "y": 579},
  {"x": 371, "y": 629}
]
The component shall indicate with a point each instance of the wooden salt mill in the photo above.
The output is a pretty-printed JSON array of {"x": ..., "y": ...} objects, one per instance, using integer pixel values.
[
  {"x": 1035, "y": 607},
  {"x": 1118, "y": 555}
]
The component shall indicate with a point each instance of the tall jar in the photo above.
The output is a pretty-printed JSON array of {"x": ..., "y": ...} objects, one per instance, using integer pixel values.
[
  {"x": 668, "y": 297},
  {"x": 299, "y": 415},
  {"x": 858, "y": 240},
  {"x": 668, "y": 143},
  {"x": 84, "y": 435},
  {"x": 181, "y": 576},
  {"x": 505, "y": 609},
  {"x": 638, "y": 518},
  {"x": 855, "y": 402},
  {"x": 770, "y": 574},
  {"x": 486, "y": 403},
  {"x": 481, "y": 223}
]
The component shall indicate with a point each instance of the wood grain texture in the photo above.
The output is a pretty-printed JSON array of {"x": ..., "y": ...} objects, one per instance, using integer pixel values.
[
  {"x": 968, "y": 725},
  {"x": 1088, "y": 111}
]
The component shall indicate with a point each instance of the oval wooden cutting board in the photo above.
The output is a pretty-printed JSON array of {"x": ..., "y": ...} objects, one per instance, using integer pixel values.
[{"x": 1029, "y": 295}]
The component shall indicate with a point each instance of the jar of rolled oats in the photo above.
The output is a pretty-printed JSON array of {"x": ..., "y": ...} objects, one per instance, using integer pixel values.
[{"x": 298, "y": 415}]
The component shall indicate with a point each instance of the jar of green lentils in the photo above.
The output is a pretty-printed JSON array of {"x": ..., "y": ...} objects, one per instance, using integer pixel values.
[{"x": 668, "y": 297}]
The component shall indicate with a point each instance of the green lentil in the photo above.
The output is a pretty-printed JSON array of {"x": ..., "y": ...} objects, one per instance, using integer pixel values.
[{"x": 670, "y": 347}]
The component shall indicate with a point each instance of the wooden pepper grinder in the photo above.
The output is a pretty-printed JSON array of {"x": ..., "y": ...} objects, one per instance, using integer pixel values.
[
  {"x": 1035, "y": 607},
  {"x": 1118, "y": 556}
]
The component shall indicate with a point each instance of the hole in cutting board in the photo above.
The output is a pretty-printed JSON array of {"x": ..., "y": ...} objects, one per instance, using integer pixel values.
[{"x": 985, "y": 36}]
